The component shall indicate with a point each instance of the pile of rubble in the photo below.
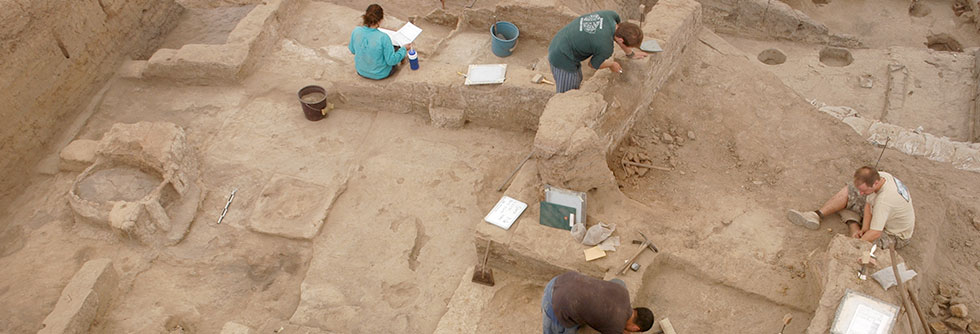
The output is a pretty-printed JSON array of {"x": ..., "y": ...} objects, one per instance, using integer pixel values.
[{"x": 952, "y": 307}]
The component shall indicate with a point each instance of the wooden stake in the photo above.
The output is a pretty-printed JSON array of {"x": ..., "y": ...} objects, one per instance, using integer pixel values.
[
  {"x": 918, "y": 310},
  {"x": 901, "y": 287},
  {"x": 637, "y": 164}
]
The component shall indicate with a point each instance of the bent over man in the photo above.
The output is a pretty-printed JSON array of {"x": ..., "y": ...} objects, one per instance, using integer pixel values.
[
  {"x": 591, "y": 35},
  {"x": 572, "y": 300}
]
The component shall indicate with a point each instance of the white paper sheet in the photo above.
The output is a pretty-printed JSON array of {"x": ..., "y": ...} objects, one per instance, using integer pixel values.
[
  {"x": 406, "y": 34},
  {"x": 506, "y": 212},
  {"x": 867, "y": 321},
  {"x": 486, "y": 74}
]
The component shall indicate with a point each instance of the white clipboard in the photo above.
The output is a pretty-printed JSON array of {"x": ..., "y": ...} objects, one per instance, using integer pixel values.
[
  {"x": 506, "y": 212},
  {"x": 486, "y": 74}
]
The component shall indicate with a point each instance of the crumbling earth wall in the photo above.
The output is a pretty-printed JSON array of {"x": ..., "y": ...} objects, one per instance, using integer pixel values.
[
  {"x": 770, "y": 19},
  {"x": 54, "y": 55}
]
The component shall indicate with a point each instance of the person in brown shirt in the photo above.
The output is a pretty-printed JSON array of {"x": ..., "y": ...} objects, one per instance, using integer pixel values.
[{"x": 572, "y": 300}]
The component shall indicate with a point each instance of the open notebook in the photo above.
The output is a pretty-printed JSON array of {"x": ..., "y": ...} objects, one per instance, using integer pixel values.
[{"x": 408, "y": 33}]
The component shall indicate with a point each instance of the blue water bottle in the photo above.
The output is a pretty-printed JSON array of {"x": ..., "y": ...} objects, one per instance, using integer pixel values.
[{"x": 413, "y": 59}]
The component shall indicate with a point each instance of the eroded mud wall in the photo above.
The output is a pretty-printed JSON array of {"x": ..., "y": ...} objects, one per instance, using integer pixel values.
[{"x": 54, "y": 55}]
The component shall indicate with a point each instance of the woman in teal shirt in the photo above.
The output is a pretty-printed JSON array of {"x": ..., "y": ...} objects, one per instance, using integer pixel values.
[{"x": 374, "y": 55}]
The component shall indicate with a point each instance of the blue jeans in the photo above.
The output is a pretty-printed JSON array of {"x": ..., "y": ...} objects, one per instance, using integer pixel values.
[{"x": 549, "y": 324}]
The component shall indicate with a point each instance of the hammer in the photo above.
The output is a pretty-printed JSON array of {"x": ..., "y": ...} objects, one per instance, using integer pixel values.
[
  {"x": 540, "y": 78},
  {"x": 646, "y": 244}
]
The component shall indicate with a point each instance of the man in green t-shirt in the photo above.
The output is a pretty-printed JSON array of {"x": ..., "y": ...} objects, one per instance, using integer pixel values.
[{"x": 591, "y": 35}]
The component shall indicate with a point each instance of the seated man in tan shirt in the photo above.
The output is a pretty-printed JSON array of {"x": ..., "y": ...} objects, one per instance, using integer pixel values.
[{"x": 875, "y": 202}]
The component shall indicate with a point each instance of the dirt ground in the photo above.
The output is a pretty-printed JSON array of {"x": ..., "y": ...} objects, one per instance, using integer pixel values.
[{"x": 744, "y": 146}]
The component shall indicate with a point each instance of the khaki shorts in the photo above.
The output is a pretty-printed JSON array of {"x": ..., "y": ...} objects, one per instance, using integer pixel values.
[
  {"x": 887, "y": 240},
  {"x": 855, "y": 201}
]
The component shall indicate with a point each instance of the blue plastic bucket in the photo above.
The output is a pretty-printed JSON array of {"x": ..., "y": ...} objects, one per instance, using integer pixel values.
[{"x": 504, "y": 47}]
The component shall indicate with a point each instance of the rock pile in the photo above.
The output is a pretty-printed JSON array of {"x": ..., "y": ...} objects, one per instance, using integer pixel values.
[{"x": 950, "y": 306}]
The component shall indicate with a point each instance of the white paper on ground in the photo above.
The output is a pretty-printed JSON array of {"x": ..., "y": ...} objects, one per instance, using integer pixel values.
[
  {"x": 486, "y": 74},
  {"x": 406, "y": 34},
  {"x": 506, "y": 212},
  {"x": 861, "y": 314}
]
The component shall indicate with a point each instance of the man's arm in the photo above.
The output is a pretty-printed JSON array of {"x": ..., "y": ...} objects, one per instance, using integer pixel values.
[
  {"x": 876, "y": 221},
  {"x": 612, "y": 65},
  {"x": 631, "y": 52},
  {"x": 871, "y": 236},
  {"x": 866, "y": 220}
]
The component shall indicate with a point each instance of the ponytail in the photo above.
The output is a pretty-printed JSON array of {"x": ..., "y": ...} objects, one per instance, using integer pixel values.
[{"x": 373, "y": 15}]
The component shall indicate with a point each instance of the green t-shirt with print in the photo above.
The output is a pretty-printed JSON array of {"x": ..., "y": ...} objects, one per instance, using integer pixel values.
[{"x": 590, "y": 35}]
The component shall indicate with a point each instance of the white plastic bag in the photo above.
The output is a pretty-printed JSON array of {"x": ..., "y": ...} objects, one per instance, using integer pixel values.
[
  {"x": 597, "y": 233},
  {"x": 578, "y": 232},
  {"x": 610, "y": 244}
]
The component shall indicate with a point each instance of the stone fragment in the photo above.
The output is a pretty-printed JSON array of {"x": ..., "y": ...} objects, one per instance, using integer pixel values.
[
  {"x": 447, "y": 117},
  {"x": 959, "y": 310},
  {"x": 939, "y": 327},
  {"x": 667, "y": 138},
  {"x": 690, "y": 135},
  {"x": 232, "y": 327},
  {"x": 84, "y": 299},
  {"x": 942, "y": 300},
  {"x": 78, "y": 155},
  {"x": 946, "y": 290},
  {"x": 959, "y": 324},
  {"x": 966, "y": 157},
  {"x": 866, "y": 81},
  {"x": 937, "y": 310},
  {"x": 974, "y": 327}
]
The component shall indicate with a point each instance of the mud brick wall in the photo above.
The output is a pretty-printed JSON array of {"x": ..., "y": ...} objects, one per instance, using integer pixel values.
[{"x": 54, "y": 55}]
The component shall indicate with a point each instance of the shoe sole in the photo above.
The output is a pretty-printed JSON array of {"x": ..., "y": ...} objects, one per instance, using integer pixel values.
[{"x": 797, "y": 218}]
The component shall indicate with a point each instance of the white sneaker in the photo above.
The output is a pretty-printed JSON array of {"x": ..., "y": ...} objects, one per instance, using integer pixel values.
[{"x": 808, "y": 219}]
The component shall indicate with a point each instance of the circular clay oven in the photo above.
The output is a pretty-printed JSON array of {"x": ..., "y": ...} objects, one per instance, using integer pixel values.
[
  {"x": 836, "y": 57},
  {"x": 117, "y": 182},
  {"x": 772, "y": 57}
]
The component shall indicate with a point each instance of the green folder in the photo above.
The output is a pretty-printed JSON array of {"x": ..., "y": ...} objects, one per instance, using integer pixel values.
[{"x": 555, "y": 215}]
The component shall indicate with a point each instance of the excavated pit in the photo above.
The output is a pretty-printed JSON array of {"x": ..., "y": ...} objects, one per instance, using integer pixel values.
[
  {"x": 210, "y": 26},
  {"x": 118, "y": 183},
  {"x": 695, "y": 303},
  {"x": 919, "y": 9},
  {"x": 836, "y": 57},
  {"x": 943, "y": 42},
  {"x": 772, "y": 57}
]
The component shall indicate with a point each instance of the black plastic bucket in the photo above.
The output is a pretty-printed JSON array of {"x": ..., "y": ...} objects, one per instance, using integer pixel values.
[{"x": 314, "y": 100}]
